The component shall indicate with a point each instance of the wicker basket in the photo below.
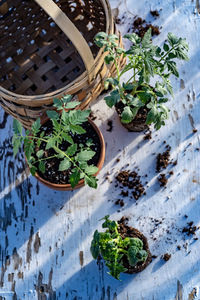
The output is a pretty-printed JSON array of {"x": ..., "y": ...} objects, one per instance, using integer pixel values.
[{"x": 47, "y": 50}]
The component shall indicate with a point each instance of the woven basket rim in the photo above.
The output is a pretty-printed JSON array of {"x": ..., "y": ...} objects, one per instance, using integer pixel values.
[{"x": 76, "y": 81}]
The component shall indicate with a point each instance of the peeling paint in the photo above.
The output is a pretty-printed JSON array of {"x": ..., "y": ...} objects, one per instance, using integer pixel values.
[{"x": 37, "y": 243}]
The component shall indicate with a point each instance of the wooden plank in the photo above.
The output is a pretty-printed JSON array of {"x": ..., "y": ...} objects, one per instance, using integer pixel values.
[{"x": 46, "y": 234}]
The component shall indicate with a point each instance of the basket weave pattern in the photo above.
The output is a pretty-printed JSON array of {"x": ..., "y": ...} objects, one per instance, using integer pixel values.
[{"x": 39, "y": 62}]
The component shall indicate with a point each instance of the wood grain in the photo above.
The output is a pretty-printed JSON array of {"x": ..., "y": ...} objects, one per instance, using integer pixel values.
[{"x": 45, "y": 235}]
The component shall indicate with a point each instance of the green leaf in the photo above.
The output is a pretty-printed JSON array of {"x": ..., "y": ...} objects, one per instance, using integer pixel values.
[
  {"x": 146, "y": 41},
  {"x": 108, "y": 59},
  {"x": 40, "y": 153},
  {"x": 172, "y": 67},
  {"x": 71, "y": 150},
  {"x": 74, "y": 178},
  {"x": 152, "y": 115},
  {"x": 77, "y": 117},
  {"x": 17, "y": 142},
  {"x": 66, "y": 98},
  {"x": 36, "y": 126},
  {"x": 111, "y": 81},
  {"x": 94, "y": 249},
  {"x": 85, "y": 155},
  {"x": 133, "y": 37},
  {"x": 52, "y": 114},
  {"x": 91, "y": 170},
  {"x": 65, "y": 164},
  {"x": 28, "y": 147},
  {"x": 172, "y": 39},
  {"x": 58, "y": 103},
  {"x": 42, "y": 166},
  {"x": 77, "y": 129},
  {"x": 51, "y": 143},
  {"x": 72, "y": 104},
  {"x": 127, "y": 115},
  {"x": 33, "y": 170},
  {"x": 67, "y": 138},
  {"x": 113, "y": 98},
  {"x": 17, "y": 127},
  {"x": 91, "y": 181},
  {"x": 181, "y": 54},
  {"x": 166, "y": 47}
]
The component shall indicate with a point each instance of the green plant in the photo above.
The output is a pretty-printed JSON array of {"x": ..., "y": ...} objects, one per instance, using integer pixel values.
[
  {"x": 65, "y": 125},
  {"x": 112, "y": 248},
  {"x": 145, "y": 61}
]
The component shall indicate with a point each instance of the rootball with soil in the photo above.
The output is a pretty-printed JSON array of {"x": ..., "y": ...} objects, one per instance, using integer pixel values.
[
  {"x": 123, "y": 248},
  {"x": 64, "y": 149},
  {"x": 140, "y": 101}
]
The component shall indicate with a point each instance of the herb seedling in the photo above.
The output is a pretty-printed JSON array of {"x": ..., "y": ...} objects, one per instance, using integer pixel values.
[
  {"x": 65, "y": 125},
  {"x": 145, "y": 61},
  {"x": 112, "y": 248}
]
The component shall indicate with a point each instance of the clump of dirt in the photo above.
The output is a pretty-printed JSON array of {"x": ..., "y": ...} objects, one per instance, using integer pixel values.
[
  {"x": 133, "y": 182},
  {"x": 194, "y": 130},
  {"x": 166, "y": 256},
  {"x": 92, "y": 116},
  {"x": 190, "y": 229},
  {"x": 163, "y": 159},
  {"x": 110, "y": 125},
  {"x": 154, "y": 13},
  {"x": 163, "y": 180},
  {"x": 127, "y": 231},
  {"x": 120, "y": 202},
  {"x": 148, "y": 135},
  {"x": 140, "y": 27}
]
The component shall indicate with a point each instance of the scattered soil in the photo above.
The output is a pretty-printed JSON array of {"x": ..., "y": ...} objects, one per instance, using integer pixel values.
[
  {"x": 163, "y": 180},
  {"x": 120, "y": 202},
  {"x": 140, "y": 27},
  {"x": 166, "y": 256},
  {"x": 163, "y": 159},
  {"x": 190, "y": 229},
  {"x": 52, "y": 165},
  {"x": 92, "y": 116},
  {"x": 110, "y": 125},
  {"x": 154, "y": 13},
  {"x": 127, "y": 231},
  {"x": 148, "y": 136},
  {"x": 133, "y": 182}
]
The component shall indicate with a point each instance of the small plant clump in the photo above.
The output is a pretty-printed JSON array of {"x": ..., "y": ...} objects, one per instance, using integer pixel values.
[
  {"x": 65, "y": 126},
  {"x": 145, "y": 61},
  {"x": 112, "y": 247}
]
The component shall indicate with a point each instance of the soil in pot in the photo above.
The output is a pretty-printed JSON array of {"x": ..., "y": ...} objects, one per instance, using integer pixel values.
[
  {"x": 127, "y": 231},
  {"x": 52, "y": 165},
  {"x": 139, "y": 122}
]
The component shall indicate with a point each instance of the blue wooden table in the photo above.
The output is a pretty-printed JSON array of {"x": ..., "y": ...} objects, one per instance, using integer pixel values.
[{"x": 45, "y": 235}]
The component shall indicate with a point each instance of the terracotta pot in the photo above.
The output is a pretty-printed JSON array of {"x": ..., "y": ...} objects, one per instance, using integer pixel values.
[
  {"x": 133, "y": 232},
  {"x": 67, "y": 187}
]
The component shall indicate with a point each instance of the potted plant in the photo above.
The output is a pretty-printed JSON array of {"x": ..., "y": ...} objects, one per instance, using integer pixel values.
[
  {"x": 123, "y": 248},
  {"x": 139, "y": 101},
  {"x": 64, "y": 149}
]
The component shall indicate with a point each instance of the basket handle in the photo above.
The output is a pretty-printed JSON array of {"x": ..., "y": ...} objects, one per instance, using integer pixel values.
[{"x": 71, "y": 32}]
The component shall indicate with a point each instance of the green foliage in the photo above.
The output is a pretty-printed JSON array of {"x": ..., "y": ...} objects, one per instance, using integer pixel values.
[
  {"x": 113, "y": 248},
  {"x": 146, "y": 61},
  {"x": 76, "y": 158}
]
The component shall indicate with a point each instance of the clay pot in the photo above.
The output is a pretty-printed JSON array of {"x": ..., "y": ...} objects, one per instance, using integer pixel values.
[
  {"x": 139, "y": 122},
  {"x": 133, "y": 232},
  {"x": 67, "y": 187}
]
